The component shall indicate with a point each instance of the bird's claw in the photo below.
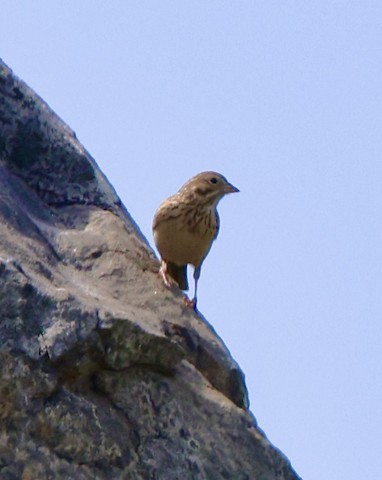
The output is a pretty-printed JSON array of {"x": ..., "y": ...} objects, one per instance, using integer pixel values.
[
  {"x": 167, "y": 279},
  {"x": 190, "y": 303},
  {"x": 170, "y": 282}
]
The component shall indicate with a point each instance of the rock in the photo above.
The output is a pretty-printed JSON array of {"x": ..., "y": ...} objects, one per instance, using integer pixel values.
[{"x": 105, "y": 374}]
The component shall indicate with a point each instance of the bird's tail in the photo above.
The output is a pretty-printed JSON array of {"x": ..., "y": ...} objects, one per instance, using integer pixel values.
[{"x": 179, "y": 274}]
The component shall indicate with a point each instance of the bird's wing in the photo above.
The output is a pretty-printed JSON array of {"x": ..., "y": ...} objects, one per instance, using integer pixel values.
[
  {"x": 170, "y": 208},
  {"x": 217, "y": 224}
]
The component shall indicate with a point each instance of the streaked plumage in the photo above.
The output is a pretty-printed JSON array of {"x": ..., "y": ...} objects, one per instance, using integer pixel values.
[{"x": 186, "y": 224}]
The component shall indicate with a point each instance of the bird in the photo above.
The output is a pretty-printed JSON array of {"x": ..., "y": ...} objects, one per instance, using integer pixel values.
[{"x": 185, "y": 226}]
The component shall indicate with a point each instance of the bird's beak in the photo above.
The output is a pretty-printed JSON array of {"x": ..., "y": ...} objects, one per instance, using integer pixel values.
[{"x": 229, "y": 188}]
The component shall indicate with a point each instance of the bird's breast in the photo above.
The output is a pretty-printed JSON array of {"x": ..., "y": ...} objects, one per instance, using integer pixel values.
[{"x": 187, "y": 238}]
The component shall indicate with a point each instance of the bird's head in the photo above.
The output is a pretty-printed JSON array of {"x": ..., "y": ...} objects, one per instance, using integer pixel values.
[{"x": 208, "y": 187}]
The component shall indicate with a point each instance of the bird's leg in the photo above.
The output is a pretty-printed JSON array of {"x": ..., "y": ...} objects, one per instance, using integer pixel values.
[
  {"x": 167, "y": 279},
  {"x": 196, "y": 278},
  {"x": 192, "y": 303}
]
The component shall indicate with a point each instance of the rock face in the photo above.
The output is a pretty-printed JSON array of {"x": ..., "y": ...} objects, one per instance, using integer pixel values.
[{"x": 104, "y": 373}]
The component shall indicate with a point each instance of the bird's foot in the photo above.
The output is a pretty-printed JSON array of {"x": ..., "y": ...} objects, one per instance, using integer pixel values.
[
  {"x": 167, "y": 279},
  {"x": 190, "y": 303}
]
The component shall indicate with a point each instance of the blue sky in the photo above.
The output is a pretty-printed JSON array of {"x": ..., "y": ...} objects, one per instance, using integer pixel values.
[{"x": 284, "y": 98}]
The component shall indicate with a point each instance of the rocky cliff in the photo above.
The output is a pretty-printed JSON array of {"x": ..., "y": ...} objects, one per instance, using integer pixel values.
[{"x": 104, "y": 373}]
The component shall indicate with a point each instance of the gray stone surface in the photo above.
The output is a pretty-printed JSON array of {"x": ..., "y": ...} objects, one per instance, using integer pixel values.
[{"x": 104, "y": 373}]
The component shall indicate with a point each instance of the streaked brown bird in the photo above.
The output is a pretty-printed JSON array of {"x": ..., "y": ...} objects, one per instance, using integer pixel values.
[{"x": 186, "y": 224}]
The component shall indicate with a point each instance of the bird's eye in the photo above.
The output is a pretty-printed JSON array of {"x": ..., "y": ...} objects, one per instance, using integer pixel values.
[{"x": 214, "y": 180}]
